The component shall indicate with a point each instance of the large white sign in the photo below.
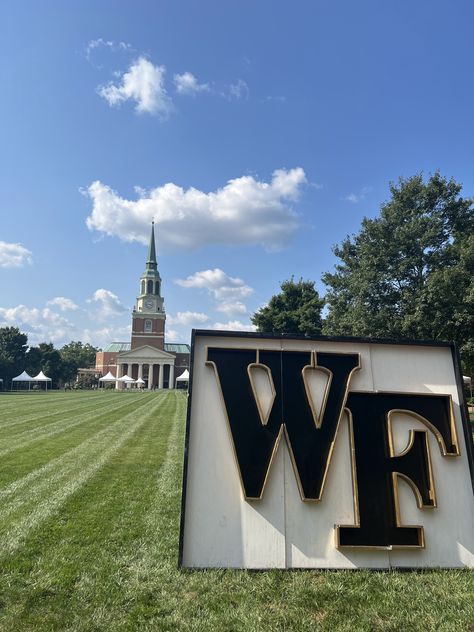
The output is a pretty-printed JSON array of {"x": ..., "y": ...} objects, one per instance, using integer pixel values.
[{"x": 318, "y": 453}]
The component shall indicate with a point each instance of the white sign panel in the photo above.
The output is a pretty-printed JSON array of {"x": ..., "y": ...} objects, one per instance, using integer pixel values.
[{"x": 323, "y": 453}]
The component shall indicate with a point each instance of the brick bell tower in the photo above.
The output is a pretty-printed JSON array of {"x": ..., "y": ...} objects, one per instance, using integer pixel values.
[{"x": 148, "y": 317}]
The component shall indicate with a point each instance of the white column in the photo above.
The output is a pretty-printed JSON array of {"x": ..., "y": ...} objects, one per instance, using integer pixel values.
[
  {"x": 160, "y": 376},
  {"x": 150, "y": 376},
  {"x": 117, "y": 372},
  {"x": 140, "y": 371},
  {"x": 171, "y": 383}
]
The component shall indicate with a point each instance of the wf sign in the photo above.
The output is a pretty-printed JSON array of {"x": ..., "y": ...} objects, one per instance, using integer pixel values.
[{"x": 319, "y": 453}]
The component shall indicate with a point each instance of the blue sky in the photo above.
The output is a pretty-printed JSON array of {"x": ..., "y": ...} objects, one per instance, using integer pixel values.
[{"x": 257, "y": 134}]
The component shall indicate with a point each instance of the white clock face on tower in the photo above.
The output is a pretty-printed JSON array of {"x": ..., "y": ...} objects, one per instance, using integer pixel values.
[{"x": 149, "y": 304}]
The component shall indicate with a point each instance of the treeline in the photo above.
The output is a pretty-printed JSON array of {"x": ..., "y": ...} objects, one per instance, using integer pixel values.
[
  {"x": 407, "y": 274},
  {"x": 59, "y": 364}
]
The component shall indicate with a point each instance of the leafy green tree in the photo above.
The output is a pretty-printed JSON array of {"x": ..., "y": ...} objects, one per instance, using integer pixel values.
[
  {"x": 45, "y": 358},
  {"x": 76, "y": 355},
  {"x": 409, "y": 272},
  {"x": 295, "y": 310},
  {"x": 13, "y": 346}
]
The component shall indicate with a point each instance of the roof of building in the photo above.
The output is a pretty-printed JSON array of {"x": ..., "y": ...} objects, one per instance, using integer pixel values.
[
  {"x": 117, "y": 346},
  {"x": 173, "y": 347}
]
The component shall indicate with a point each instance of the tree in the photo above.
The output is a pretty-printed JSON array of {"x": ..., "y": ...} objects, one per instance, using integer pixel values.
[
  {"x": 295, "y": 310},
  {"x": 409, "y": 272},
  {"x": 12, "y": 352},
  {"x": 76, "y": 355},
  {"x": 45, "y": 358}
]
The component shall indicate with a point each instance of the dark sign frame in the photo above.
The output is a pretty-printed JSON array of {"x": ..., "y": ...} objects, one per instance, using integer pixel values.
[{"x": 196, "y": 333}]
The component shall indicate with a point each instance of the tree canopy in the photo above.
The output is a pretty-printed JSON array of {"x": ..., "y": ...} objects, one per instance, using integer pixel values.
[
  {"x": 296, "y": 310},
  {"x": 60, "y": 365},
  {"x": 12, "y": 352},
  {"x": 409, "y": 272}
]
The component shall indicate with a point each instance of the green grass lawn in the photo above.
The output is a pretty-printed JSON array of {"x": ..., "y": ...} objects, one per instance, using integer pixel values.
[{"x": 90, "y": 488}]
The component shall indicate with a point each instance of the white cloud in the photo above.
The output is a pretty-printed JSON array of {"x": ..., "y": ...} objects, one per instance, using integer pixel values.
[
  {"x": 239, "y": 90},
  {"x": 187, "y": 319},
  {"x": 244, "y": 211},
  {"x": 41, "y": 325},
  {"x": 103, "y": 336},
  {"x": 224, "y": 289},
  {"x": 358, "y": 197},
  {"x": 64, "y": 304},
  {"x": 109, "y": 44},
  {"x": 13, "y": 255},
  {"x": 108, "y": 304},
  {"x": 188, "y": 84},
  {"x": 234, "y": 325},
  {"x": 219, "y": 284},
  {"x": 232, "y": 308},
  {"x": 142, "y": 83}
]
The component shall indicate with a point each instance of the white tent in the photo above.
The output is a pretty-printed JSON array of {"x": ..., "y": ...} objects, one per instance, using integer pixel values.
[
  {"x": 127, "y": 379},
  {"x": 23, "y": 377},
  {"x": 41, "y": 377},
  {"x": 184, "y": 377},
  {"x": 140, "y": 383},
  {"x": 108, "y": 378}
]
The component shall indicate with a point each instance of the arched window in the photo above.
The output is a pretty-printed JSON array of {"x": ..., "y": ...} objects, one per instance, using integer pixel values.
[
  {"x": 147, "y": 327},
  {"x": 157, "y": 288},
  {"x": 143, "y": 287},
  {"x": 149, "y": 287}
]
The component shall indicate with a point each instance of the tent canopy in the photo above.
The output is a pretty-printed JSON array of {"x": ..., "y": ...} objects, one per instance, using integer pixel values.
[
  {"x": 108, "y": 378},
  {"x": 23, "y": 377},
  {"x": 184, "y": 377},
  {"x": 127, "y": 379},
  {"x": 41, "y": 377}
]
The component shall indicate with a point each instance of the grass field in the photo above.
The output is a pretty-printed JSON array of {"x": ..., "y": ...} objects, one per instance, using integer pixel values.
[{"x": 89, "y": 516}]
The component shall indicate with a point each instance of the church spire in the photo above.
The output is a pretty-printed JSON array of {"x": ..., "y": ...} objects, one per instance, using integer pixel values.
[{"x": 151, "y": 261}]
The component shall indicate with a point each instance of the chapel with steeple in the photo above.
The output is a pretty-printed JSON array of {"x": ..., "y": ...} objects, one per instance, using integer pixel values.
[{"x": 147, "y": 357}]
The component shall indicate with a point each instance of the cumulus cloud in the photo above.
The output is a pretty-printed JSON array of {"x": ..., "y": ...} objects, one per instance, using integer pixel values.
[
  {"x": 143, "y": 83},
  {"x": 187, "y": 318},
  {"x": 226, "y": 290},
  {"x": 219, "y": 284},
  {"x": 244, "y": 211},
  {"x": 108, "y": 304},
  {"x": 234, "y": 325},
  {"x": 232, "y": 308},
  {"x": 64, "y": 304},
  {"x": 39, "y": 324},
  {"x": 14, "y": 255},
  {"x": 188, "y": 84},
  {"x": 104, "y": 335}
]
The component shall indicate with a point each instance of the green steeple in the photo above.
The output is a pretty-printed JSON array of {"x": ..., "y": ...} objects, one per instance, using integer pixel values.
[{"x": 151, "y": 261}]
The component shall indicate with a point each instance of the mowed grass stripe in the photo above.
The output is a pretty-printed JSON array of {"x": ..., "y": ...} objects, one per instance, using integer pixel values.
[
  {"x": 48, "y": 430},
  {"x": 20, "y": 463},
  {"x": 69, "y": 450},
  {"x": 6, "y": 426},
  {"x": 43, "y": 498},
  {"x": 12, "y": 495},
  {"x": 77, "y": 581},
  {"x": 21, "y": 407}
]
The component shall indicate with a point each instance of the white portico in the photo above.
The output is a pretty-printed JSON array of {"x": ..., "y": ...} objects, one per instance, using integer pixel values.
[{"x": 154, "y": 366}]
